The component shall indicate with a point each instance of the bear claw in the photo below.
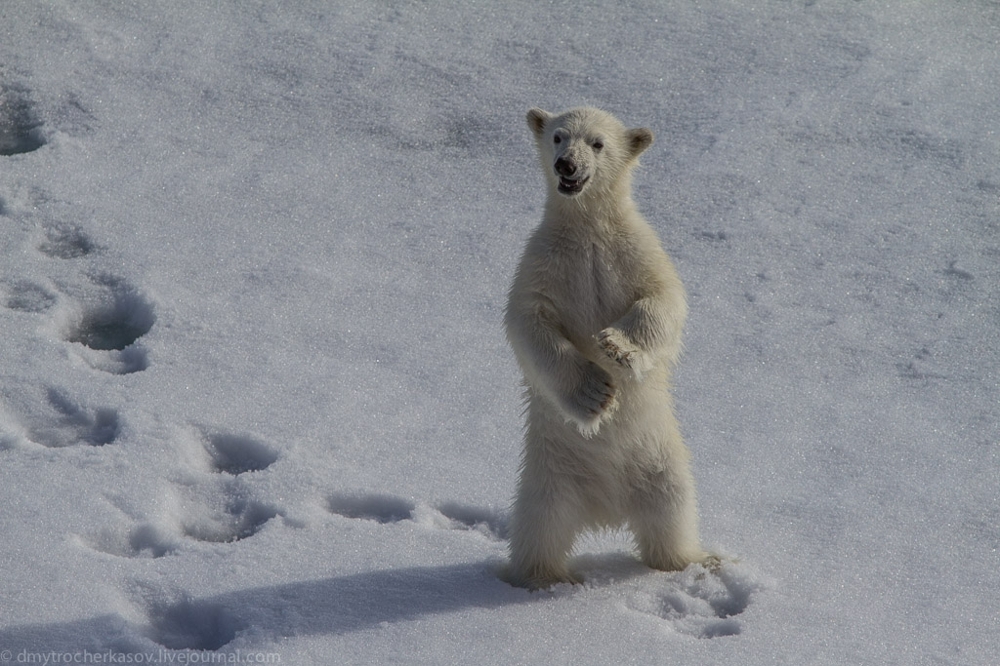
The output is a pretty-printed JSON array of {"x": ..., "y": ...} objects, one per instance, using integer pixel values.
[{"x": 615, "y": 349}]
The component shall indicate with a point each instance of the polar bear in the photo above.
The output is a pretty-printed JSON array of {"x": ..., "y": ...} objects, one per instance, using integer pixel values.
[{"x": 594, "y": 317}]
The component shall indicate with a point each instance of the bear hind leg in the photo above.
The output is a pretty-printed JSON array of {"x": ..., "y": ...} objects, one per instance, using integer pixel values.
[
  {"x": 541, "y": 537},
  {"x": 666, "y": 533},
  {"x": 661, "y": 550}
]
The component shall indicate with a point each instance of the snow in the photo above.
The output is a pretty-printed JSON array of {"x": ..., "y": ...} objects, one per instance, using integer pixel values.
[{"x": 255, "y": 400}]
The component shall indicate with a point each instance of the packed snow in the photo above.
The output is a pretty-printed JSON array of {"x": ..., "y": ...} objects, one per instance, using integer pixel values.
[{"x": 255, "y": 399}]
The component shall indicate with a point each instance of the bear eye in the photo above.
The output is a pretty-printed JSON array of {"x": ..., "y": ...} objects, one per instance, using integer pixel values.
[
  {"x": 598, "y": 145},
  {"x": 557, "y": 139}
]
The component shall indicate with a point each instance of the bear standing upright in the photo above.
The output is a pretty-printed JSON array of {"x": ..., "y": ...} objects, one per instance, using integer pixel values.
[{"x": 594, "y": 318}]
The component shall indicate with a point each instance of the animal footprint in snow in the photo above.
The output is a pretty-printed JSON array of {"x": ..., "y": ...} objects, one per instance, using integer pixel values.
[
  {"x": 27, "y": 297},
  {"x": 220, "y": 508},
  {"x": 699, "y": 602},
  {"x": 223, "y": 513},
  {"x": 487, "y": 522},
  {"x": 113, "y": 320},
  {"x": 219, "y": 452},
  {"x": 107, "y": 324},
  {"x": 183, "y": 623},
  {"x": 69, "y": 423},
  {"x": 66, "y": 241},
  {"x": 20, "y": 129},
  {"x": 238, "y": 454},
  {"x": 237, "y": 520},
  {"x": 210, "y": 500},
  {"x": 226, "y": 519},
  {"x": 371, "y": 506},
  {"x": 383, "y": 508},
  {"x": 149, "y": 540}
]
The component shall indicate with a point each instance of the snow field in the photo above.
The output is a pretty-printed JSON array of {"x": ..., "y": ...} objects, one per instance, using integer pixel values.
[{"x": 254, "y": 393}]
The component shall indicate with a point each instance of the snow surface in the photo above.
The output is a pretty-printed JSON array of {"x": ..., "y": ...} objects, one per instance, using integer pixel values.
[{"x": 255, "y": 399}]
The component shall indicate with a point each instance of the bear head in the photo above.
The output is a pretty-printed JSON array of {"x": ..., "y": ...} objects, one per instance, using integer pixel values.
[{"x": 586, "y": 149}]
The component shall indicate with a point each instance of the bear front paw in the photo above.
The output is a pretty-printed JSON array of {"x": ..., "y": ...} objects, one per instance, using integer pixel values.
[
  {"x": 617, "y": 347},
  {"x": 593, "y": 400}
]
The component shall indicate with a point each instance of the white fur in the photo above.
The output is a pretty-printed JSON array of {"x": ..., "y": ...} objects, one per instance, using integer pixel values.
[{"x": 594, "y": 317}]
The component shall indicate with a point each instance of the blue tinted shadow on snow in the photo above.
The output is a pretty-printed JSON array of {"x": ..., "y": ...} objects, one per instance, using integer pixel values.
[
  {"x": 19, "y": 126},
  {"x": 347, "y": 604},
  {"x": 379, "y": 507},
  {"x": 237, "y": 454},
  {"x": 333, "y": 606}
]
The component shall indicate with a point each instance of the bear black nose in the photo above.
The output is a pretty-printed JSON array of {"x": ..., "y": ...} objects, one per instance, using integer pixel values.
[{"x": 564, "y": 167}]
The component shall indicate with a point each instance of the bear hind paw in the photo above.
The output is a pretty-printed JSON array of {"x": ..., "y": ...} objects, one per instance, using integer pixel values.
[{"x": 539, "y": 578}]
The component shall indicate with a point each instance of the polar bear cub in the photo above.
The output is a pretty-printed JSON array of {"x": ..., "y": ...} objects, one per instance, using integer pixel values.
[{"x": 594, "y": 317}]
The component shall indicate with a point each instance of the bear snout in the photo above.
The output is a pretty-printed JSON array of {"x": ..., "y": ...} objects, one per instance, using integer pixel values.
[
  {"x": 572, "y": 178},
  {"x": 565, "y": 168}
]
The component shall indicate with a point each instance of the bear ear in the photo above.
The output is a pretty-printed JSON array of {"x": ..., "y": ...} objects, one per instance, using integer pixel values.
[
  {"x": 537, "y": 119},
  {"x": 639, "y": 139}
]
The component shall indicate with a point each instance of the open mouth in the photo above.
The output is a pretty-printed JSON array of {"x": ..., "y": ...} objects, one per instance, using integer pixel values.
[{"x": 569, "y": 186}]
